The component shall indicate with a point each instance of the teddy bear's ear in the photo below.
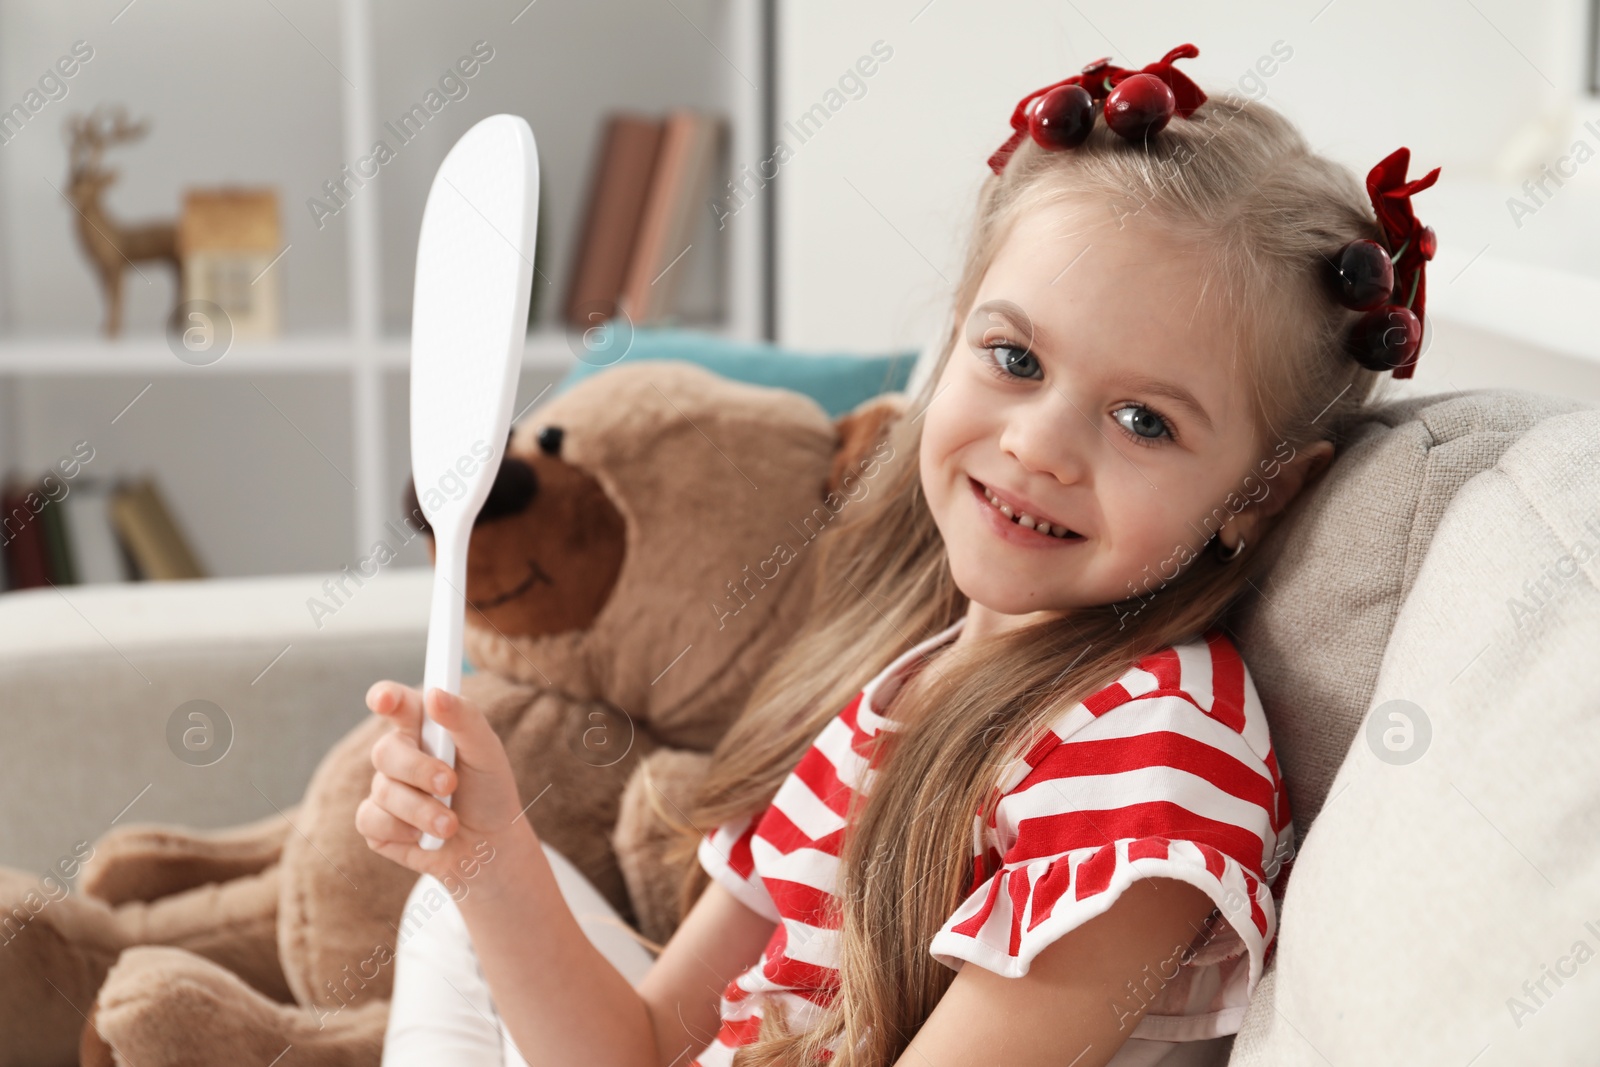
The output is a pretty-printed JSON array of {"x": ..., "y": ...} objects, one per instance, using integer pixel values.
[{"x": 860, "y": 431}]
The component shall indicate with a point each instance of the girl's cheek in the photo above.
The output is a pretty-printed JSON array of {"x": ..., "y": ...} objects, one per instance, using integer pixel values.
[{"x": 941, "y": 431}]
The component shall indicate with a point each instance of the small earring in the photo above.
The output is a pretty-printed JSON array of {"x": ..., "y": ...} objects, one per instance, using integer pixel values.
[{"x": 1228, "y": 556}]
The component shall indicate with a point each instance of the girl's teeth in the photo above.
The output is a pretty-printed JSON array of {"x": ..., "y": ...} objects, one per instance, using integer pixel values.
[{"x": 1023, "y": 519}]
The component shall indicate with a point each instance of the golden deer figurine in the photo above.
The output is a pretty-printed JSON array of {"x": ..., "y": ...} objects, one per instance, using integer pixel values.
[{"x": 110, "y": 245}]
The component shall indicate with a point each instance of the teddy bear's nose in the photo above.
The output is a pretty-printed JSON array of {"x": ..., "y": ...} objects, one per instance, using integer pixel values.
[
  {"x": 515, "y": 486},
  {"x": 549, "y": 440}
]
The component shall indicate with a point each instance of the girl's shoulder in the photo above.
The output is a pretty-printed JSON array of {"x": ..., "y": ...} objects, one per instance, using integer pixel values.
[
  {"x": 1199, "y": 688},
  {"x": 1165, "y": 772}
]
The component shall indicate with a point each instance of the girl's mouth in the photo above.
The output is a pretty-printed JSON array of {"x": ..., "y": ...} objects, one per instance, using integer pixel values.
[{"x": 1019, "y": 524}]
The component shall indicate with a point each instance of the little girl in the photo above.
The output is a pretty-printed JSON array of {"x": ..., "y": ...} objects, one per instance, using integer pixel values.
[{"x": 1076, "y": 823}]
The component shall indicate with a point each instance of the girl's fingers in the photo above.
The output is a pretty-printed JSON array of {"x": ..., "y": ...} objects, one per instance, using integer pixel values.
[
  {"x": 399, "y": 757},
  {"x": 401, "y": 704},
  {"x": 375, "y": 824},
  {"x": 477, "y": 745},
  {"x": 412, "y": 806},
  {"x": 399, "y": 852}
]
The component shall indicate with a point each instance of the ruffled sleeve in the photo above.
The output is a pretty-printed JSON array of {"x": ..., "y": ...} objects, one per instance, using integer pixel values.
[
  {"x": 1154, "y": 787},
  {"x": 726, "y": 856}
]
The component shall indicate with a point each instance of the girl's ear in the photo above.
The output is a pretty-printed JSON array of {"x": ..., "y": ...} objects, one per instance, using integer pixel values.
[
  {"x": 860, "y": 432},
  {"x": 1293, "y": 476}
]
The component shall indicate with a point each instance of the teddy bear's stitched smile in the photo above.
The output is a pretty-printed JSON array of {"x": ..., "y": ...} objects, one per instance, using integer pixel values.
[{"x": 535, "y": 574}]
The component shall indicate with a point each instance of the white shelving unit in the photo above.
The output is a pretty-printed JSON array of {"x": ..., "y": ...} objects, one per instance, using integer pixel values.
[
  {"x": 546, "y": 350},
  {"x": 364, "y": 353}
]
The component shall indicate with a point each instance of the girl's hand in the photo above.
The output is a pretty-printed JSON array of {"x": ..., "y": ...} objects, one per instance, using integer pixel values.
[{"x": 485, "y": 806}]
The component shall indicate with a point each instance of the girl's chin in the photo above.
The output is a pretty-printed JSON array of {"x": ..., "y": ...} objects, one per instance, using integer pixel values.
[{"x": 1007, "y": 596}]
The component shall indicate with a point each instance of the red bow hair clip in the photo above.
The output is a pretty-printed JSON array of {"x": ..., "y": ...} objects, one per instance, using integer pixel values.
[
  {"x": 1137, "y": 104},
  {"x": 1388, "y": 281}
]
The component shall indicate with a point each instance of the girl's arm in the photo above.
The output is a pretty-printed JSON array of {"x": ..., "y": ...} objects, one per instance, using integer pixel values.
[
  {"x": 564, "y": 1002},
  {"x": 561, "y": 999},
  {"x": 1082, "y": 995}
]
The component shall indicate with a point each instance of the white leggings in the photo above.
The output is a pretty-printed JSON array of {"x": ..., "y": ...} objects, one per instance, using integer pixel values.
[{"x": 441, "y": 1011}]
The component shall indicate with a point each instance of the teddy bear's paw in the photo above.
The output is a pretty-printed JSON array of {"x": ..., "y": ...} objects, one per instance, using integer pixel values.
[
  {"x": 660, "y": 789},
  {"x": 55, "y": 949},
  {"x": 149, "y": 861},
  {"x": 164, "y": 1007}
]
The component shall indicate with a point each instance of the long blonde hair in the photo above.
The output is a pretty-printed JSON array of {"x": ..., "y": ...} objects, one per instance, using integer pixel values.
[{"x": 1240, "y": 181}]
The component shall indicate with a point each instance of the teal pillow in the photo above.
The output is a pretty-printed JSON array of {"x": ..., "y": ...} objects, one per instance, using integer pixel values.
[{"x": 837, "y": 381}]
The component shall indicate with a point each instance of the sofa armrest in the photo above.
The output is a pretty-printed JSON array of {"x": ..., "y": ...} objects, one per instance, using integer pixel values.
[{"x": 92, "y": 679}]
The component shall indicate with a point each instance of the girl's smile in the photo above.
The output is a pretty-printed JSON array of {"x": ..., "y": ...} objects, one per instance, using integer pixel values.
[{"x": 1020, "y": 522}]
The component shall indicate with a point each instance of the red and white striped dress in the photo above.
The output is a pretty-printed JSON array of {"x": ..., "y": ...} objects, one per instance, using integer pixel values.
[{"x": 1167, "y": 772}]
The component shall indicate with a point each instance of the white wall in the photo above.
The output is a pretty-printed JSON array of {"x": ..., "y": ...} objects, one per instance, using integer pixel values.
[{"x": 873, "y": 208}]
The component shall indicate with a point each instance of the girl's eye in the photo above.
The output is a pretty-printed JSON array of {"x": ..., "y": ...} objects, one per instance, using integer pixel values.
[
  {"x": 1143, "y": 425},
  {"x": 1015, "y": 362}
]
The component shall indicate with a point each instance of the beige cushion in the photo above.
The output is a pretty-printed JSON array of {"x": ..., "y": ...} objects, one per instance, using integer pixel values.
[
  {"x": 1428, "y": 892},
  {"x": 1350, "y": 550}
]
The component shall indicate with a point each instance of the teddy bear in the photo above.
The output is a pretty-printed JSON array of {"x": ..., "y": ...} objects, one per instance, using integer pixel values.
[{"x": 645, "y": 552}]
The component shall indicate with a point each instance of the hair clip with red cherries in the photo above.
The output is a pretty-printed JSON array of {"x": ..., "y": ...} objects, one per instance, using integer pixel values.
[
  {"x": 1137, "y": 104},
  {"x": 1388, "y": 280}
]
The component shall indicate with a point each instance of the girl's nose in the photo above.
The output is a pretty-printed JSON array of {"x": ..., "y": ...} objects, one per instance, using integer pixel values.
[{"x": 1053, "y": 438}]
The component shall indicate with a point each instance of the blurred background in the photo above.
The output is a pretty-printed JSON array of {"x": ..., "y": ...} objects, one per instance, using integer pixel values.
[{"x": 827, "y": 155}]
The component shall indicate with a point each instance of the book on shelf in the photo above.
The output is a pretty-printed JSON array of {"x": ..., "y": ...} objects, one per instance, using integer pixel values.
[
  {"x": 27, "y": 557},
  {"x": 54, "y": 533},
  {"x": 99, "y": 554},
  {"x": 618, "y": 186},
  {"x": 93, "y": 532},
  {"x": 146, "y": 526},
  {"x": 650, "y": 183}
]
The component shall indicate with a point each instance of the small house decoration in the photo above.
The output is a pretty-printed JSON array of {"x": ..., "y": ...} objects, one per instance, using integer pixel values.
[{"x": 227, "y": 238}]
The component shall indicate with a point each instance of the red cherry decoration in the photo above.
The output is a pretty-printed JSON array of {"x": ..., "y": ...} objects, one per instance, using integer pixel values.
[
  {"x": 1140, "y": 105},
  {"x": 1062, "y": 118},
  {"x": 1427, "y": 242},
  {"x": 1364, "y": 275},
  {"x": 1385, "y": 338},
  {"x": 1093, "y": 77}
]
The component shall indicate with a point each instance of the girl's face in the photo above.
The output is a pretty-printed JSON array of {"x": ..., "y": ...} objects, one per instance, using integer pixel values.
[{"x": 1091, "y": 393}]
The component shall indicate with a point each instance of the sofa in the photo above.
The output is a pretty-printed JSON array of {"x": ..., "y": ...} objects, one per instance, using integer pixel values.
[
  {"x": 1426, "y": 645},
  {"x": 1426, "y": 650}
]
